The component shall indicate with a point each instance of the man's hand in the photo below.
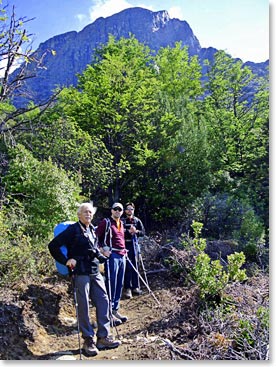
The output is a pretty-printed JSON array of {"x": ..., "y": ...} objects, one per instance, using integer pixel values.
[
  {"x": 132, "y": 230},
  {"x": 71, "y": 263},
  {"x": 106, "y": 251}
]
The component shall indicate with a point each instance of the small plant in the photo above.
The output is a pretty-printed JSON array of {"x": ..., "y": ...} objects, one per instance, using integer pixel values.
[
  {"x": 252, "y": 334},
  {"x": 210, "y": 275},
  {"x": 246, "y": 329},
  {"x": 235, "y": 261},
  {"x": 263, "y": 316}
]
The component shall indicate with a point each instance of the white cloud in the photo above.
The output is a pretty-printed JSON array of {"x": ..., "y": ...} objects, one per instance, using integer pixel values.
[
  {"x": 15, "y": 65},
  {"x": 146, "y": 7},
  {"x": 81, "y": 17},
  {"x": 107, "y": 8},
  {"x": 175, "y": 12}
]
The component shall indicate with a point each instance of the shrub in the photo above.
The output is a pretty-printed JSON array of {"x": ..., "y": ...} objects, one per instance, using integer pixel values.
[
  {"x": 47, "y": 195},
  {"x": 209, "y": 275},
  {"x": 38, "y": 195},
  {"x": 16, "y": 260}
]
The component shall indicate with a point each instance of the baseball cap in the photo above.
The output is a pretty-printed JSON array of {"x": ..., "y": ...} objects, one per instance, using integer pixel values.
[{"x": 116, "y": 205}]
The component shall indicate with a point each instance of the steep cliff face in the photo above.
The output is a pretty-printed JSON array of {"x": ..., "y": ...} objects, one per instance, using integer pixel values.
[
  {"x": 74, "y": 50},
  {"x": 155, "y": 29}
]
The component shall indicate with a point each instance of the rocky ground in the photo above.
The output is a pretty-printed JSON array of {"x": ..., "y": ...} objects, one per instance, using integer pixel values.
[{"x": 39, "y": 322}]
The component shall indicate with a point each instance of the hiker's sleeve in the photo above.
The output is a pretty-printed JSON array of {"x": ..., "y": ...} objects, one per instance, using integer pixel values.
[
  {"x": 140, "y": 228},
  {"x": 55, "y": 245},
  {"x": 101, "y": 258},
  {"x": 100, "y": 231}
]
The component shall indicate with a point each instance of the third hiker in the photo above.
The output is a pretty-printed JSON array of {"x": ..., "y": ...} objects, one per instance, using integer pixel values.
[{"x": 134, "y": 229}]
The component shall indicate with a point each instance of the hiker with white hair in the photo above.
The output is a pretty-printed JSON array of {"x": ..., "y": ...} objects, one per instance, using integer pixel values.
[{"x": 83, "y": 258}]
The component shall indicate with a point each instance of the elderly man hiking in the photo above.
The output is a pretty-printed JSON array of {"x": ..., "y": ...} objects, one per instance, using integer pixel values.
[{"x": 83, "y": 258}]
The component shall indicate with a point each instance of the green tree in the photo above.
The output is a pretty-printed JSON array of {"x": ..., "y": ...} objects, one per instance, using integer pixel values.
[
  {"x": 237, "y": 108},
  {"x": 60, "y": 138},
  {"x": 180, "y": 170},
  {"x": 47, "y": 194},
  {"x": 115, "y": 101},
  {"x": 179, "y": 79},
  {"x": 15, "y": 55}
]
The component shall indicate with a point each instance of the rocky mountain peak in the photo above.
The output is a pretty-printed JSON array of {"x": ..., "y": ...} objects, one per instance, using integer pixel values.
[
  {"x": 74, "y": 50},
  {"x": 160, "y": 19}
]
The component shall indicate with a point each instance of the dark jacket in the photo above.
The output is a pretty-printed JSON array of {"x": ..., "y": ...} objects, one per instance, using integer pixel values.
[
  {"x": 137, "y": 223},
  {"x": 79, "y": 247}
]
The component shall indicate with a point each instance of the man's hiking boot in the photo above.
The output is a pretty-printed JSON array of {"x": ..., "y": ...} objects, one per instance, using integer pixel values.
[
  {"x": 123, "y": 318},
  {"x": 115, "y": 321},
  {"x": 128, "y": 293},
  {"x": 107, "y": 343},
  {"x": 137, "y": 291},
  {"x": 89, "y": 347}
]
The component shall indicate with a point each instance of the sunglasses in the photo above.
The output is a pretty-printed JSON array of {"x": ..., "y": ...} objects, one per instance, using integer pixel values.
[
  {"x": 129, "y": 209},
  {"x": 117, "y": 209}
]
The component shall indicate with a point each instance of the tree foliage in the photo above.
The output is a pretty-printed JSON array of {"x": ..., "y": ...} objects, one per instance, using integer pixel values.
[
  {"x": 181, "y": 142},
  {"x": 60, "y": 138},
  {"x": 115, "y": 101},
  {"x": 238, "y": 125},
  {"x": 47, "y": 194},
  {"x": 145, "y": 127}
]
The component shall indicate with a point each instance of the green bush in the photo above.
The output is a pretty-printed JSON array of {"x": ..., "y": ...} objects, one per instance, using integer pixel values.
[
  {"x": 251, "y": 236},
  {"x": 47, "y": 195},
  {"x": 16, "y": 260},
  {"x": 226, "y": 217},
  {"x": 38, "y": 195},
  {"x": 252, "y": 332},
  {"x": 210, "y": 275}
]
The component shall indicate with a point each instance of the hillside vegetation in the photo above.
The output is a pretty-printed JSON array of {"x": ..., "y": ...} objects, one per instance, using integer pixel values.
[
  {"x": 192, "y": 153},
  {"x": 169, "y": 321}
]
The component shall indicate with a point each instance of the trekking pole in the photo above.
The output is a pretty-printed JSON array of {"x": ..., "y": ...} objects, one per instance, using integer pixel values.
[
  {"x": 136, "y": 256},
  {"x": 141, "y": 261},
  {"x": 143, "y": 267},
  {"x": 77, "y": 310},
  {"x": 139, "y": 275},
  {"x": 109, "y": 296}
]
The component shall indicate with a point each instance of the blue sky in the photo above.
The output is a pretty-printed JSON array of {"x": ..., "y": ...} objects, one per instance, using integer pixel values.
[{"x": 240, "y": 27}]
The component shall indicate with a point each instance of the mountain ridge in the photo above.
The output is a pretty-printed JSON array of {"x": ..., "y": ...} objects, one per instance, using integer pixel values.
[{"x": 74, "y": 50}]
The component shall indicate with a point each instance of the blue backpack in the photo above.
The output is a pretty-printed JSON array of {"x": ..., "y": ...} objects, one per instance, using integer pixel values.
[{"x": 62, "y": 269}]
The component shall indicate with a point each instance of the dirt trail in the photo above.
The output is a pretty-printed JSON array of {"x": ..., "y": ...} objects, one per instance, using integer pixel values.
[
  {"x": 40, "y": 322},
  {"x": 46, "y": 324}
]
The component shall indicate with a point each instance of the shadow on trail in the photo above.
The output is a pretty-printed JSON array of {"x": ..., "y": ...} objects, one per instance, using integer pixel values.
[
  {"x": 22, "y": 316},
  {"x": 46, "y": 306},
  {"x": 13, "y": 333}
]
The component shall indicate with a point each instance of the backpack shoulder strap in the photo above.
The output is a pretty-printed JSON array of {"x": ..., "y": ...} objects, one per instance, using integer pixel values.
[
  {"x": 107, "y": 231},
  {"x": 135, "y": 220}
]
